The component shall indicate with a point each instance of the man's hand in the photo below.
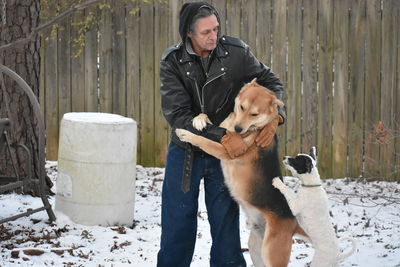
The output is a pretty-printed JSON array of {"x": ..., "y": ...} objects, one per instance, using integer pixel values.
[
  {"x": 234, "y": 144},
  {"x": 267, "y": 133}
]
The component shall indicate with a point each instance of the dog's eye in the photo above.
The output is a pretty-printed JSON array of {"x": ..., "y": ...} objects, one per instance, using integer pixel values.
[{"x": 254, "y": 114}]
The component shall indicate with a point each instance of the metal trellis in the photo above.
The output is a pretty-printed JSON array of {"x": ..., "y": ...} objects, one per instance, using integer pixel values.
[{"x": 15, "y": 182}]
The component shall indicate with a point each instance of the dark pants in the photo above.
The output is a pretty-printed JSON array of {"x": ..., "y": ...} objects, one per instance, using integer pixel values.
[{"x": 179, "y": 213}]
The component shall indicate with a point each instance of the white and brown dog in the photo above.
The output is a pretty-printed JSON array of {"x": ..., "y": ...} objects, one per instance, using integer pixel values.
[
  {"x": 311, "y": 208},
  {"x": 249, "y": 176}
]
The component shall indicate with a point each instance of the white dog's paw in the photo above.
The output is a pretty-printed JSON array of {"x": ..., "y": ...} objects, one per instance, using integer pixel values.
[
  {"x": 184, "y": 135},
  {"x": 200, "y": 121},
  {"x": 276, "y": 182}
]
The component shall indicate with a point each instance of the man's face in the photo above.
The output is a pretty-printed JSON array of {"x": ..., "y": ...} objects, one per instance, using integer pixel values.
[{"x": 205, "y": 36}]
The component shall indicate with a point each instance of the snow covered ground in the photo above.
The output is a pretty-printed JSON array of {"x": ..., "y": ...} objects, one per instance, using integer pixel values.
[{"x": 368, "y": 211}]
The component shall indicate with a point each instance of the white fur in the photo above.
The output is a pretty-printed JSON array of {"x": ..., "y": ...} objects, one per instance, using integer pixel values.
[
  {"x": 311, "y": 208},
  {"x": 200, "y": 121}
]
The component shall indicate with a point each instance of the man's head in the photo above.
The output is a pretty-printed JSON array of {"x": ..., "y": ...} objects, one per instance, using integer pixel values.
[{"x": 199, "y": 21}]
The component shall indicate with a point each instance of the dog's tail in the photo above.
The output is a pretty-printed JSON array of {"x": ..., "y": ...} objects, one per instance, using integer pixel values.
[{"x": 346, "y": 254}]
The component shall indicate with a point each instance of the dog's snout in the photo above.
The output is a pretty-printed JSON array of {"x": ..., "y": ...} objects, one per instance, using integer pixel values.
[
  {"x": 238, "y": 129},
  {"x": 285, "y": 157}
]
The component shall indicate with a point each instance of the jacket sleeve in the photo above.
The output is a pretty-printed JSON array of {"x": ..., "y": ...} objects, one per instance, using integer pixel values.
[
  {"x": 265, "y": 77},
  {"x": 175, "y": 100},
  {"x": 176, "y": 104}
]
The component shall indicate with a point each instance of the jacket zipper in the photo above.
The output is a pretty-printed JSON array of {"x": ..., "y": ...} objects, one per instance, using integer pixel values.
[
  {"x": 202, "y": 90},
  {"x": 225, "y": 100},
  {"x": 198, "y": 95}
]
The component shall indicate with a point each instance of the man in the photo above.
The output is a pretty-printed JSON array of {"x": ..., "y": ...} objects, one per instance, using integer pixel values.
[{"x": 203, "y": 74}]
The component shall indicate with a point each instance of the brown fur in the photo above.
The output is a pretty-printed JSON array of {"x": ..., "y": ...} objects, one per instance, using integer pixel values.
[{"x": 255, "y": 106}]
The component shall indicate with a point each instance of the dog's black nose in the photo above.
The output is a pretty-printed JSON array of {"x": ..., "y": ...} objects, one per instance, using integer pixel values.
[{"x": 238, "y": 129}]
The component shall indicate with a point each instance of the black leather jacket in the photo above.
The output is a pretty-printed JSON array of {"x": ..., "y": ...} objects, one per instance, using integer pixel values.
[{"x": 183, "y": 97}]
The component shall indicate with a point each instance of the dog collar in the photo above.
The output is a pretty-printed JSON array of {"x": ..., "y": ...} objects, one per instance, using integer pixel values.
[{"x": 313, "y": 185}]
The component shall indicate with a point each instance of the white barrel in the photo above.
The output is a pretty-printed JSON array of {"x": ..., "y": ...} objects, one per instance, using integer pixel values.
[{"x": 97, "y": 168}]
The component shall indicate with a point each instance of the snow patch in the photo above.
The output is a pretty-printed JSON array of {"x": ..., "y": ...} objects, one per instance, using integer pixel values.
[{"x": 367, "y": 211}]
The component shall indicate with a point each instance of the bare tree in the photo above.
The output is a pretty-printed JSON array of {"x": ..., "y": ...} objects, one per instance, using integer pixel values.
[
  {"x": 19, "y": 51},
  {"x": 18, "y": 20}
]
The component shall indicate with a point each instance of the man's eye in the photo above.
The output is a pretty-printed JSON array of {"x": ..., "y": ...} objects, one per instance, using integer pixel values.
[
  {"x": 254, "y": 114},
  {"x": 241, "y": 107}
]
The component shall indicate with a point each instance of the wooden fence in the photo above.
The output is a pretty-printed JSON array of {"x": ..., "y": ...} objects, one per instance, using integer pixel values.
[{"x": 339, "y": 61}]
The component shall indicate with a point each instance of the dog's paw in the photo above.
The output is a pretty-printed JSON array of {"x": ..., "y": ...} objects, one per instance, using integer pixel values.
[
  {"x": 276, "y": 182},
  {"x": 200, "y": 121},
  {"x": 183, "y": 135}
]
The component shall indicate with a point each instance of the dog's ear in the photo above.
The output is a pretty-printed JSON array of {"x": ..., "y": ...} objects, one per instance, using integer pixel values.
[
  {"x": 309, "y": 164},
  {"x": 278, "y": 102},
  {"x": 313, "y": 153},
  {"x": 254, "y": 81},
  {"x": 275, "y": 105}
]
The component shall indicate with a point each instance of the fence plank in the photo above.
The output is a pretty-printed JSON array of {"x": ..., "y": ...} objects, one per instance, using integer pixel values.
[
  {"x": 78, "y": 66},
  {"x": 161, "y": 39},
  {"x": 397, "y": 97},
  {"x": 341, "y": 78},
  {"x": 51, "y": 98},
  {"x": 133, "y": 67},
  {"x": 90, "y": 56},
  {"x": 372, "y": 86},
  {"x": 220, "y": 5},
  {"x": 105, "y": 67},
  {"x": 175, "y": 7},
  {"x": 356, "y": 97},
  {"x": 147, "y": 83},
  {"x": 362, "y": 62},
  {"x": 309, "y": 97},
  {"x": 279, "y": 56},
  {"x": 293, "y": 90},
  {"x": 233, "y": 18},
  {"x": 118, "y": 58},
  {"x": 248, "y": 25},
  {"x": 325, "y": 92},
  {"x": 64, "y": 68},
  {"x": 388, "y": 88},
  {"x": 263, "y": 31}
]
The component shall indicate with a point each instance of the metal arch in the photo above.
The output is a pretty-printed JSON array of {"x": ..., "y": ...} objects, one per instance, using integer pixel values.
[{"x": 41, "y": 144}]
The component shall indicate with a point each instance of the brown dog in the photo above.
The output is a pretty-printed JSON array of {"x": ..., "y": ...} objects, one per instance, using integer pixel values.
[{"x": 249, "y": 176}]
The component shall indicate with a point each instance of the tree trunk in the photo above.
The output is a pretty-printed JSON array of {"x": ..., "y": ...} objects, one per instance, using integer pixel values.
[{"x": 22, "y": 17}]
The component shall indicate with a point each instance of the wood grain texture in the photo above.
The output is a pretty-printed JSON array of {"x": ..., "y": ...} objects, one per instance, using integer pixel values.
[
  {"x": 339, "y": 62},
  {"x": 341, "y": 89}
]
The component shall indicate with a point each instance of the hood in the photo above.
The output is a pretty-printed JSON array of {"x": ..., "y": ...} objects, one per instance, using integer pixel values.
[{"x": 188, "y": 11}]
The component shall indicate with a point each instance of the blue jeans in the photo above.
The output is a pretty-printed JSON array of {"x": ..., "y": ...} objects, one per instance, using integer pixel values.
[{"x": 179, "y": 213}]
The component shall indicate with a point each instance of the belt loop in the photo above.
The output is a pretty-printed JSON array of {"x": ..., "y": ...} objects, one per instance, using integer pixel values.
[{"x": 187, "y": 168}]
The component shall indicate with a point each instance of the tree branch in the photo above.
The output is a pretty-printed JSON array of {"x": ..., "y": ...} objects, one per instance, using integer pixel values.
[{"x": 51, "y": 22}]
